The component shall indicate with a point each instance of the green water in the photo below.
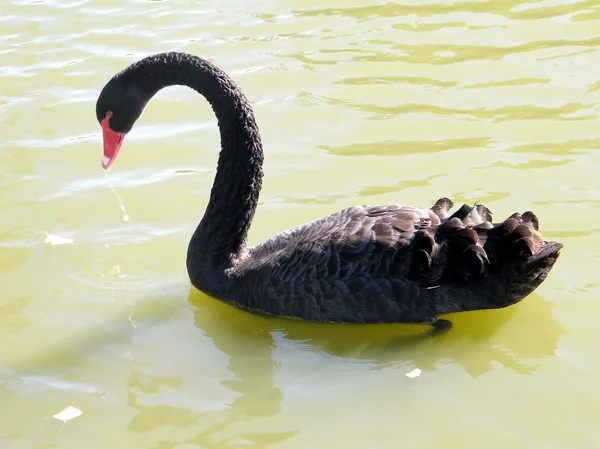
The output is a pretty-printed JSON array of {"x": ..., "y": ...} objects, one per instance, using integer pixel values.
[{"x": 358, "y": 103}]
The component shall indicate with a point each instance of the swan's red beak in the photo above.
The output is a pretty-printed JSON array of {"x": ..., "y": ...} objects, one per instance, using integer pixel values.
[{"x": 112, "y": 144}]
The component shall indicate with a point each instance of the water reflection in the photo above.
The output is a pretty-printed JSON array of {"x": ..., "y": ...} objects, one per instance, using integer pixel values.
[
  {"x": 517, "y": 337},
  {"x": 250, "y": 352}
]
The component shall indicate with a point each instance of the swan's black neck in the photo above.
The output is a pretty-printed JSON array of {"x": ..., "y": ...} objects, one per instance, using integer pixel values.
[{"x": 221, "y": 235}]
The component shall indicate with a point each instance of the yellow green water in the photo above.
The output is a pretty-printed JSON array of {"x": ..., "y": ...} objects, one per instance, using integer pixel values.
[{"x": 359, "y": 103}]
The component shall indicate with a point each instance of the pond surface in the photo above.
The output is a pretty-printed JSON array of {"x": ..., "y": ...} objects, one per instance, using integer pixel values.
[{"x": 359, "y": 103}]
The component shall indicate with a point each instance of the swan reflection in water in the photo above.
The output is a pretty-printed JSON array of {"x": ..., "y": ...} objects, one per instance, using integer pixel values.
[
  {"x": 258, "y": 347},
  {"x": 364, "y": 264}
]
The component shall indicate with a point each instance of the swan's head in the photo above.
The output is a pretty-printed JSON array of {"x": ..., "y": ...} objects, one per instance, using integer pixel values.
[{"x": 118, "y": 107}]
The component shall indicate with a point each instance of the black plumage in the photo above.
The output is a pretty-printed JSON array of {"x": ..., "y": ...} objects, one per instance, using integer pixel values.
[{"x": 364, "y": 264}]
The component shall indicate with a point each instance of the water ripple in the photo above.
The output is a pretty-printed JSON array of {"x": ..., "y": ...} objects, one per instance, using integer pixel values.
[
  {"x": 565, "y": 112},
  {"x": 512, "y": 10},
  {"x": 398, "y": 148},
  {"x": 378, "y": 102}
]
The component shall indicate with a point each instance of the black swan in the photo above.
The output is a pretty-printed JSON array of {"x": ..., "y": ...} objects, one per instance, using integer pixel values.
[{"x": 365, "y": 264}]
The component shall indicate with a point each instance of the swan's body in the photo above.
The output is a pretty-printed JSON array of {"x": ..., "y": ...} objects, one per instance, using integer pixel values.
[{"x": 364, "y": 264}]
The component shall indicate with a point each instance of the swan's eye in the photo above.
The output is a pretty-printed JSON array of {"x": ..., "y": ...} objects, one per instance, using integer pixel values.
[{"x": 108, "y": 114}]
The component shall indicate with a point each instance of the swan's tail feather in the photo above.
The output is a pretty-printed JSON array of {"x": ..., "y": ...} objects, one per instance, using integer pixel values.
[{"x": 468, "y": 245}]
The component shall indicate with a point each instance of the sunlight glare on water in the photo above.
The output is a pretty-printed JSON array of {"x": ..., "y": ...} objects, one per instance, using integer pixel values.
[{"x": 358, "y": 103}]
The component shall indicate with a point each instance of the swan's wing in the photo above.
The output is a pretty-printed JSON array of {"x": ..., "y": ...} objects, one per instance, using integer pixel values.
[
  {"x": 425, "y": 246},
  {"x": 372, "y": 263},
  {"x": 371, "y": 241}
]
